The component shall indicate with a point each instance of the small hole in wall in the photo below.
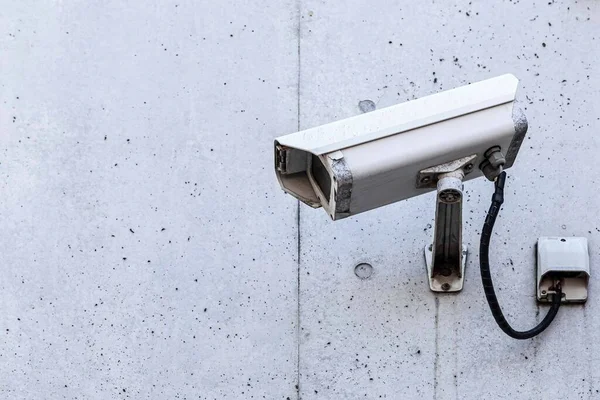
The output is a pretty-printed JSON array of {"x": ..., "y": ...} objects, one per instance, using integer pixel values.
[
  {"x": 363, "y": 270},
  {"x": 563, "y": 240}
]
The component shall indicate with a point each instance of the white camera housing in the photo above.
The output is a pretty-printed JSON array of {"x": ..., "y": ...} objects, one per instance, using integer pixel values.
[{"x": 374, "y": 159}]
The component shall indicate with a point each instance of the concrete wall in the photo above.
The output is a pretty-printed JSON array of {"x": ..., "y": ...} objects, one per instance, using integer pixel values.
[{"x": 147, "y": 251}]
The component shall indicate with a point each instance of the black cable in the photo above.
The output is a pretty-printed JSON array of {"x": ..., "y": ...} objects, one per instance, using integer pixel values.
[{"x": 486, "y": 278}]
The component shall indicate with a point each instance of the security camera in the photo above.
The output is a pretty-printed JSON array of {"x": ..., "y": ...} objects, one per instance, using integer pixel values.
[
  {"x": 374, "y": 159},
  {"x": 435, "y": 142}
]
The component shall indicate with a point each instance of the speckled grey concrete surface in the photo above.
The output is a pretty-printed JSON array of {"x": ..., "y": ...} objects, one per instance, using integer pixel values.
[
  {"x": 388, "y": 336},
  {"x": 147, "y": 251}
]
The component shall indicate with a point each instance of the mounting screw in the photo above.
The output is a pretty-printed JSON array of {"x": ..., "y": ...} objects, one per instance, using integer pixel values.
[
  {"x": 426, "y": 179},
  {"x": 468, "y": 168},
  {"x": 445, "y": 287},
  {"x": 450, "y": 196}
]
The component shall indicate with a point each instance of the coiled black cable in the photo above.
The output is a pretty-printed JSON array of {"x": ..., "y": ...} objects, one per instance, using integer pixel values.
[{"x": 486, "y": 278}]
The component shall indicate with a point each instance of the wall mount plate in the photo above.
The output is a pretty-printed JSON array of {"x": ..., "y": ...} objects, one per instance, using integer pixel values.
[
  {"x": 566, "y": 259},
  {"x": 441, "y": 282}
]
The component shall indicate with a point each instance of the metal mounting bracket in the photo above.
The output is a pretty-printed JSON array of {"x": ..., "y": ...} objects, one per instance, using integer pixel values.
[
  {"x": 446, "y": 257},
  {"x": 429, "y": 177}
]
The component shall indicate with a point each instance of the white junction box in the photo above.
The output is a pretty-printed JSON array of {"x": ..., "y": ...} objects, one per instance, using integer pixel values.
[{"x": 564, "y": 260}]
